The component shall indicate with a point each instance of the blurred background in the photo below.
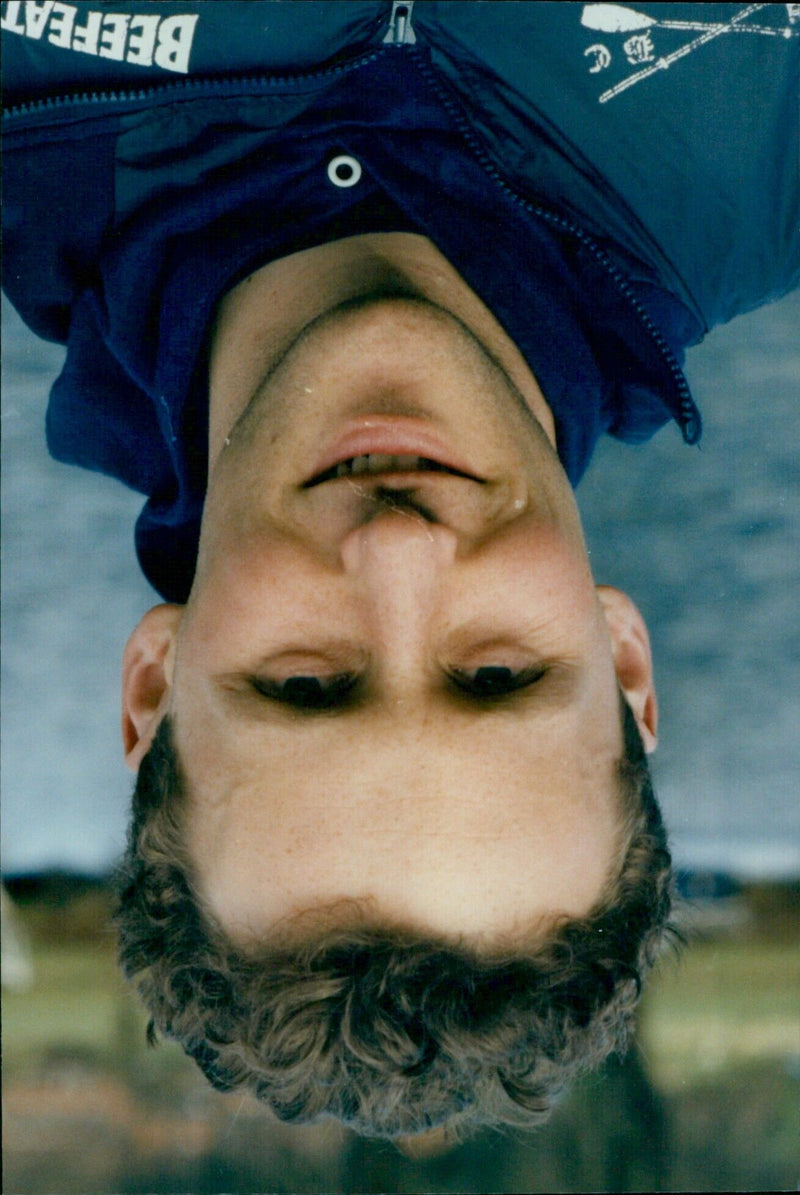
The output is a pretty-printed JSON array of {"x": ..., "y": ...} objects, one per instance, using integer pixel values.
[{"x": 707, "y": 541}]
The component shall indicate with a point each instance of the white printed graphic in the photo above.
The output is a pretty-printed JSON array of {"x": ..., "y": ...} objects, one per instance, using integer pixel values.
[
  {"x": 616, "y": 18},
  {"x": 639, "y": 46},
  {"x": 143, "y": 39},
  {"x": 602, "y": 58}
]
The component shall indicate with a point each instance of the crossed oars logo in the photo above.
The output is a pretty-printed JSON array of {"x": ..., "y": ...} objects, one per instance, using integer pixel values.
[{"x": 618, "y": 18}]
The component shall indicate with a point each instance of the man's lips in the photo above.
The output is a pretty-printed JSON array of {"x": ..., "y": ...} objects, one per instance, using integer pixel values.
[{"x": 387, "y": 437}]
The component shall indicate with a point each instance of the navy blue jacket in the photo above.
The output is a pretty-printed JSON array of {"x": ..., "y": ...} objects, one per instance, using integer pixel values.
[{"x": 611, "y": 181}]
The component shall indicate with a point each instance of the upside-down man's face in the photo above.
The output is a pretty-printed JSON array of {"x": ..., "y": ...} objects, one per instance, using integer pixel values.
[{"x": 393, "y": 684}]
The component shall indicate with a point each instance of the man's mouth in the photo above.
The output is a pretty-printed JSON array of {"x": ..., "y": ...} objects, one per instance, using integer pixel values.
[
  {"x": 379, "y": 464},
  {"x": 387, "y": 446}
]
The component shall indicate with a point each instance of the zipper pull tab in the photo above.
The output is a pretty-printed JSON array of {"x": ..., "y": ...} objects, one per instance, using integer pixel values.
[{"x": 401, "y": 32}]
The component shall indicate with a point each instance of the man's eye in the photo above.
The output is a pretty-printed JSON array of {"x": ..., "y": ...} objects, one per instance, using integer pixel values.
[
  {"x": 494, "y": 681},
  {"x": 307, "y": 692}
]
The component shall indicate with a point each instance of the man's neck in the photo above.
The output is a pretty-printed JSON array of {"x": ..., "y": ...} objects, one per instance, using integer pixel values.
[{"x": 262, "y": 316}]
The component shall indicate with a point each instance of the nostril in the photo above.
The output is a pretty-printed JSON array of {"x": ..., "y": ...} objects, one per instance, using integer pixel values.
[{"x": 403, "y": 500}]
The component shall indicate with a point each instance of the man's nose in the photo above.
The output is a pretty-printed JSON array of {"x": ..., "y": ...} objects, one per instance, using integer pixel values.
[
  {"x": 399, "y": 546},
  {"x": 397, "y": 563}
]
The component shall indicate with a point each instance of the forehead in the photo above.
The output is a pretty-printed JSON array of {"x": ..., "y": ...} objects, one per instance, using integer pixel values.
[{"x": 450, "y": 828}]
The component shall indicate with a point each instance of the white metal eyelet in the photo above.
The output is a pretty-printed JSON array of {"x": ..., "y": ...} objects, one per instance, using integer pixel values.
[{"x": 344, "y": 171}]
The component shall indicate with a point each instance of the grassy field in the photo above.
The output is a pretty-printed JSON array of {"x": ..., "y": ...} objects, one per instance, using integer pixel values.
[
  {"x": 709, "y": 1102},
  {"x": 725, "y": 1003}
]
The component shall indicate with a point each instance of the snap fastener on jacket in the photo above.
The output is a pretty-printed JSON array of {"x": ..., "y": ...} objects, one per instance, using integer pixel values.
[{"x": 344, "y": 170}]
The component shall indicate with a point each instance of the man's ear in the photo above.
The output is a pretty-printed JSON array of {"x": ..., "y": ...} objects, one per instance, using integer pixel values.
[
  {"x": 147, "y": 679},
  {"x": 633, "y": 660}
]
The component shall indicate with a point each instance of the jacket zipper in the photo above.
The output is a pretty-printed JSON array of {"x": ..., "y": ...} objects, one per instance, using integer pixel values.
[
  {"x": 688, "y": 417},
  {"x": 401, "y": 32},
  {"x": 183, "y": 89}
]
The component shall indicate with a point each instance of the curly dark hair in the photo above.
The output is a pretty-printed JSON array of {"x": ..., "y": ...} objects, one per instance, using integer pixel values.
[{"x": 391, "y": 1033}]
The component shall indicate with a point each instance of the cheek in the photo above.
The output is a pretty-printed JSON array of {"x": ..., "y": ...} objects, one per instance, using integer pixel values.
[
  {"x": 548, "y": 538},
  {"x": 256, "y": 589},
  {"x": 538, "y": 572}
]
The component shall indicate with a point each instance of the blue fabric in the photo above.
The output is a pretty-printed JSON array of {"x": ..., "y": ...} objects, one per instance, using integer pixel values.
[{"x": 171, "y": 197}]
